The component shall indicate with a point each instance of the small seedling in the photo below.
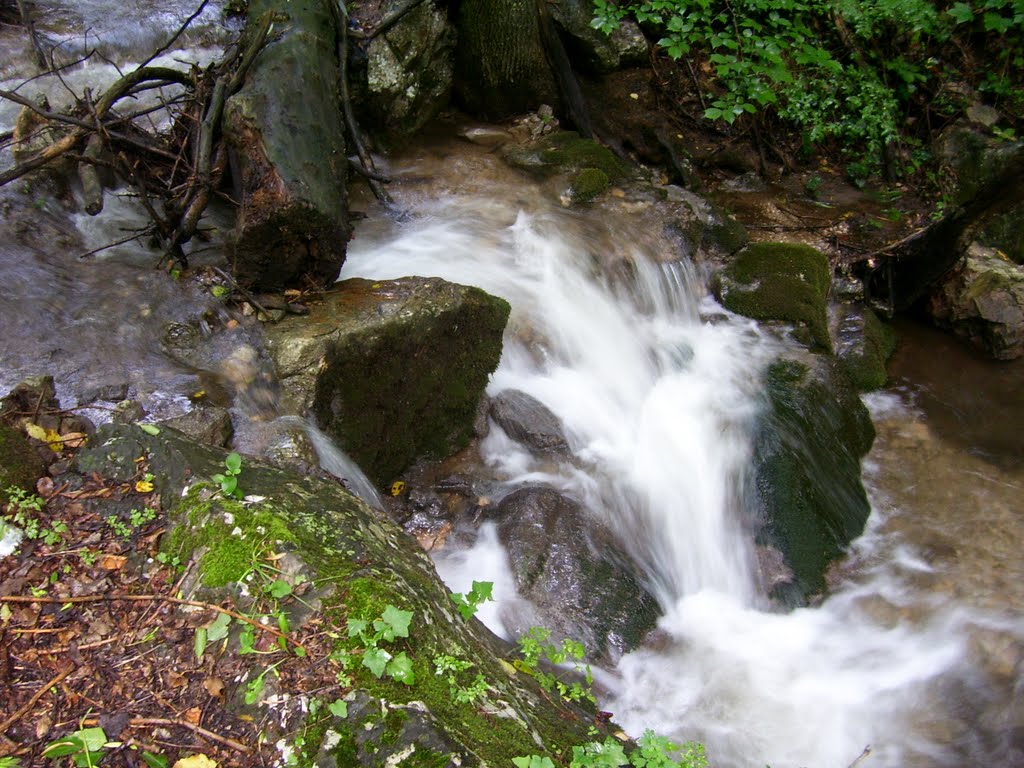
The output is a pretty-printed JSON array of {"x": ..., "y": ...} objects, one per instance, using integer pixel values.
[
  {"x": 391, "y": 624},
  {"x": 228, "y": 480}
]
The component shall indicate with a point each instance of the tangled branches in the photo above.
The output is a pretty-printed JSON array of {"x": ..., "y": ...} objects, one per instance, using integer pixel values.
[{"x": 176, "y": 170}]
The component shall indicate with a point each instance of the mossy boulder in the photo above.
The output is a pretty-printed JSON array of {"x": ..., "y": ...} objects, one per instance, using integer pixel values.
[
  {"x": 864, "y": 343},
  {"x": 779, "y": 281},
  {"x": 808, "y": 447},
  {"x": 393, "y": 370},
  {"x": 20, "y": 465},
  {"x": 361, "y": 563},
  {"x": 587, "y": 167}
]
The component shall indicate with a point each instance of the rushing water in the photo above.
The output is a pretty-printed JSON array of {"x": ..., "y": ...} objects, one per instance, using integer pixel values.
[{"x": 914, "y": 660}]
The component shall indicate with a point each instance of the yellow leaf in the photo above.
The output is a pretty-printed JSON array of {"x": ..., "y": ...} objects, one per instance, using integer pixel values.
[
  {"x": 144, "y": 486},
  {"x": 196, "y": 761},
  {"x": 397, "y": 487},
  {"x": 34, "y": 430},
  {"x": 49, "y": 436}
]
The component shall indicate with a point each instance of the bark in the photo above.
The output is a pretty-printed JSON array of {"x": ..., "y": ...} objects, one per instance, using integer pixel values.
[{"x": 286, "y": 133}]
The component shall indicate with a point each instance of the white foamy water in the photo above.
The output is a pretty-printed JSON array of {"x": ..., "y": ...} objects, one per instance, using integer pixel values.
[{"x": 657, "y": 387}]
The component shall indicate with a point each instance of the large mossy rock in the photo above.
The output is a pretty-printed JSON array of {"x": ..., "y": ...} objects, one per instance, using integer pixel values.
[
  {"x": 361, "y": 563},
  {"x": 807, "y": 450},
  {"x": 286, "y": 130},
  {"x": 779, "y": 281},
  {"x": 983, "y": 302},
  {"x": 571, "y": 569},
  {"x": 393, "y": 370},
  {"x": 409, "y": 69}
]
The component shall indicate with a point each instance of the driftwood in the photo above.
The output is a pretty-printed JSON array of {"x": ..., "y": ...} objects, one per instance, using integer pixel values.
[{"x": 288, "y": 154}]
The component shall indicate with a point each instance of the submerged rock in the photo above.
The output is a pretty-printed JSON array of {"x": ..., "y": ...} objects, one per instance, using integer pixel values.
[
  {"x": 983, "y": 302},
  {"x": 779, "y": 281},
  {"x": 392, "y": 370},
  {"x": 528, "y": 421},
  {"x": 572, "y": 570},
  {"x": 807, "y": 451}
]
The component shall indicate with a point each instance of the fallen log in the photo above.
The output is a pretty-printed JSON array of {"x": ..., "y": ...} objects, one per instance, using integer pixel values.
[{"x": 285, "y": 132}]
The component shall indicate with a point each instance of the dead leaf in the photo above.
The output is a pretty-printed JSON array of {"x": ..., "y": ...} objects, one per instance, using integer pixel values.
[
  {"x": 113, "y": 562},
  {"x": 215, "y": 687},
  {"x": 176, "y": 679},
  {"x": 196, "y": 761},
  {"x": 74, "y": 439},
  {"x": 193, "y": 715},
  {"x": 143, "y": 486},
  {"x": 44, "y": 487}
]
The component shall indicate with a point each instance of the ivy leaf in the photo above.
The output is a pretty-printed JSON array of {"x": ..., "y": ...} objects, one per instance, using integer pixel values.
[
  {"x": 218, "y": 628},
  {"x": 961, "y": 13},
  {"x": 200, "y": 643},
  {"x": 149, "y": 429},
  {"x": 481, "y": 591},
  {"x": 376, "y": 660},
  {"x": 397, "y": 622},
  {"x": 338, "y": 708},
  {"x": 279, "y": 589},
  {"x": 357, "y": 627},
  {"x": 400, "y": 669}
]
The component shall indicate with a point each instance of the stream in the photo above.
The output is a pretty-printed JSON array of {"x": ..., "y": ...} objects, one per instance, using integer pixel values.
[{"x": 917, "y": 656}]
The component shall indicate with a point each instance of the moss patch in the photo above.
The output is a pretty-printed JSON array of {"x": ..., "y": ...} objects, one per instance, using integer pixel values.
[
  {"x": 865, "y": 359},
  {"x": 779, "y": 281},
  {"x": 588, "y": 184}
]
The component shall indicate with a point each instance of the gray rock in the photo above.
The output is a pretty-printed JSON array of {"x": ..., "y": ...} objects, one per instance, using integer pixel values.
[
  {"x": 205, "y": 424},
  {"x": 984, "y": 303},
  {"x": 594, "y": 50},
  {"x": 527, "y": 420},
  {"x": 580, "y": 580},
  {"x": 392, "y": 370}
]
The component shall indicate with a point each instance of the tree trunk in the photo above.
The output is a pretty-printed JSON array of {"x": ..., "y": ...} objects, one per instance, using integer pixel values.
[{"x": 286, "y": 133}]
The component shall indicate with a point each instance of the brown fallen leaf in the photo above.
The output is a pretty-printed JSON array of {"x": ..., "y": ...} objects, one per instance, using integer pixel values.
[
  {"x": 215, "y": 687},
  {"x": 113, "y": 562},
  {"x": 193, "y": 715},
  {"x": 196, "y": 761}
]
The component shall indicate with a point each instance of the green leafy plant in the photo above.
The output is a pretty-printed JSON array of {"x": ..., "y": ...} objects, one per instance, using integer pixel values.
[
  {"x": 535, "y": 648},
  {"x": 228, "y": 480},
  {"x": 393, "y": 623},
  {"x": 137, "y": 518},
  {"x": 84, "y": 747},
  {"x": 467, "y": 604},
  {"x": 462, "y": 692},
  {"x": 23, "y": 511},
  {"x": 652, "y": 751}
]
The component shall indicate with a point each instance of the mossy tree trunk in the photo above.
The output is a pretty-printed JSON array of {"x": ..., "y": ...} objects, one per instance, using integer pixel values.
[{"x": 286, "y": 131}]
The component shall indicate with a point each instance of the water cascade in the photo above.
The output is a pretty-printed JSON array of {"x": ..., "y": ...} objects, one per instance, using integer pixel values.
[{"x": 657, "y": 388}]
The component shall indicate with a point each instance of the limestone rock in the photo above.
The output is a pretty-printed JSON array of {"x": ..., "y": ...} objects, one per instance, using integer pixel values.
[
  {"x": 570, "y": 567},
  {"x": 392, "y": 370},
  {"x": 984, "y": 303},
  {"x": 863, "y": 344},
  {"x": 409, "y": 69}
]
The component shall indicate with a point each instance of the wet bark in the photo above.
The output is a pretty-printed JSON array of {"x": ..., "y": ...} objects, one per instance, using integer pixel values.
[{"x": 287, "y": 144}]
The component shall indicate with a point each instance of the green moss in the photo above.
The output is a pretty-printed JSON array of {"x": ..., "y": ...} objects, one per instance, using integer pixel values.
[
  {"x": 865, "y": 364},
  {"x": 779, "y": 281},
  {"x": 588, "y": 184},
  {"x": 567, "y": 151}
]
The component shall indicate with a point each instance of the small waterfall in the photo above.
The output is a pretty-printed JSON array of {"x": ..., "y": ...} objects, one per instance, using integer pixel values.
[{"x": 657, "y": 388}]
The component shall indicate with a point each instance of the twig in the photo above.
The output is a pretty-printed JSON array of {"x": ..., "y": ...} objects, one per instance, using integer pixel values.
[
  {"x": 41, "y": 59},
  {"x": 340, "y": 14},
  {"x": 176, "y": 35},
  {"x": 146, "y": 598},
  {"x": 392, "y": 18},
  {"x": 143, "y": 721},
  {"x": 133, "y": 236},
  {"x": 866, "y": 751},
  {"x": 248, "y": 296},
  {"x": 28, "y": 705}
]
